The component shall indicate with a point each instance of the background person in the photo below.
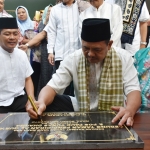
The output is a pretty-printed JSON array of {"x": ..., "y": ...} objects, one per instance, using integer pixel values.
[
  {"x": 63, "y": 33},
  {"x": 28, "y": 31},
  {"x": 135, "y": 17},
  {"x": 101, "y": 9},
  {"x": 24, "y": 22},
  {"x": 3, "y": 12},
  {"x": 41, "y": 37}
]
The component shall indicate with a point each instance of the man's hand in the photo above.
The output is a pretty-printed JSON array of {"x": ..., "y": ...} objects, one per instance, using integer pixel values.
[
  {"x": 40, "y": 106},
  {"x": 23, "y": 47},
  {"x": 124, "y": 115},
  {"x": 51, "y": 58}
]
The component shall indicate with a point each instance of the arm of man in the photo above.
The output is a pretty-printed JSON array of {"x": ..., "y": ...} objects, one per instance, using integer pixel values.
[
  {"x": 143, "y": 32},
  {"x": 81, "y": 18},
  {"x": 131, "y": 91},
  {"x": 60, "y": 80},
  {"x": 29, "y": 87},
  {"x": 144, "y": 17},
  {"x": 35, "y": 41},
  {"x": 117, "y": 25},
  {"x": 126, "y": 114},
  {"x": 45, "y": 98},
  {"x": 51, "y": 32}
]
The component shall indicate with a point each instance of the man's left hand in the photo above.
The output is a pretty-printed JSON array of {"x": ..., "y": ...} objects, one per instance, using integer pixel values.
[{"x": 124, "y": 115}]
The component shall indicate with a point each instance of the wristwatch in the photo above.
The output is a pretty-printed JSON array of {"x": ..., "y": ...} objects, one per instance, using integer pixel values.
[
  {"x": 27, "y": 45},
  {"x": 144, "y": 43}
]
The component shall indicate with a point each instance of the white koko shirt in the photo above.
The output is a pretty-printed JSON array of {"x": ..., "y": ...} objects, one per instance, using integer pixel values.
[
  {"x": 107, "y": 11},
  {"x": 68, "y": 71},
  {"x": 63, "y": 30},
  {"x": 15, "y": 68}
]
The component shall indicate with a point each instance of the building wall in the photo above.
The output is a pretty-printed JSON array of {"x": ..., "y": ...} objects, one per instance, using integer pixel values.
[
  {"x": 148, "y": 4},
  {"x": 31, "y": 5}
]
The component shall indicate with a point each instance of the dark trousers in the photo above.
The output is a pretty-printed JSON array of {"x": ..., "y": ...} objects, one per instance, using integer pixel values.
[
  {"x": 36, "y": 76},
  {"x": 70, "y": 89},
  {"x": 61, "y": 103},
  {"x": 57, "y": 64},
  {"x": 18, "y": 105}
]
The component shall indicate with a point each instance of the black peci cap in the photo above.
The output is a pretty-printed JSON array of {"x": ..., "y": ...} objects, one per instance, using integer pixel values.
[
  {"x": 95, "y": 30},
  {"x": 8, "y": 23}
]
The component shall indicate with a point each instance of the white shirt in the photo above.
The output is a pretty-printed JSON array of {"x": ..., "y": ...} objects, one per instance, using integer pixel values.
[
  {"x": 15, "y": 68},
  {"x": 68, "y": 71},
  {"x": 144, "y": 17},
  {"x": 107, "y": 11},
  {"x": 62, "y": 30}
]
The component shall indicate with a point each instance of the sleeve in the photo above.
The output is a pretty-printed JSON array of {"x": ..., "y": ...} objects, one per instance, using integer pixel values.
[
  {"x": 46, "y": 28},
  {"x": 63, "y": 76},
  {"x": 144, "y": 16},
  {"x": 80, "y": 25},
  {"x": 130, "y": 78},
  {"x": 51, "y": 30},
  {"x": 29, "y": 70},
  {"x": 117, "y": 25}
]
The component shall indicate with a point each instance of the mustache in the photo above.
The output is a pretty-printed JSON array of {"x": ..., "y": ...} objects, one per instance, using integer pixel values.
[{"x": 90, "y": 57}]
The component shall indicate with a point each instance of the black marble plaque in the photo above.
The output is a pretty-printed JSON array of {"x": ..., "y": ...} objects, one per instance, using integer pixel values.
[{"x": 66, "y": 131}]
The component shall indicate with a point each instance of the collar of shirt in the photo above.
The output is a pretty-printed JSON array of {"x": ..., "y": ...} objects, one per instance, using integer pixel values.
[
  {"x": 69, "y": 5},
  {"x": 5, "y": 52},
  {"x": 100, "y": 7}
]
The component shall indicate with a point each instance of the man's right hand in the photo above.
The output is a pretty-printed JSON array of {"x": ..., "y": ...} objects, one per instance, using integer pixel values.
[
  {"x": 32, "y": 114},
  {"x": 51, "y": 58}
]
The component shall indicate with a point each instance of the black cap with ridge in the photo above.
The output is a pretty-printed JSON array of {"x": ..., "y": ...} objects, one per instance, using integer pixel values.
[
  {"x": 95, "y": 30},
  {"x": 8, "y": 23}
]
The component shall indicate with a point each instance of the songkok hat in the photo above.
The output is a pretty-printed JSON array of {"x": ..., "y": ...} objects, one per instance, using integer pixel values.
[
  {"x": 95, "y": 30},
  {"x": 8, "y": 23}
]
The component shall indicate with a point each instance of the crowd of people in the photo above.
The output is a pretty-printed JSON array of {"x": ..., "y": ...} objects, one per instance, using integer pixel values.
[{"x": 79, "y": 56}]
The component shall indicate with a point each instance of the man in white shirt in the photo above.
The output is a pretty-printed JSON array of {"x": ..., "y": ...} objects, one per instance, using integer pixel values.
[
  {"x": 101, "y": 9},
  {"x": 63, "y": 33},
  {"x": 3, "y": 13},
  {"x": 101, "y": 74},
  {"x": 15, "y": 70},
  {"x": 135, "y": 19},
  {"x": 63, "y": 29}
]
